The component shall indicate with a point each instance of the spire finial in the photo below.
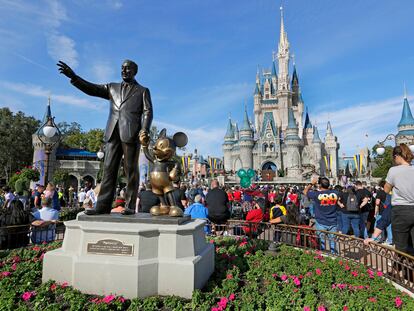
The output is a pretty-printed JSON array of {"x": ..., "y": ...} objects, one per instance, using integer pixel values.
[
  {"x": 48, "y": 100},
  {"x": 405, "y": 91}
]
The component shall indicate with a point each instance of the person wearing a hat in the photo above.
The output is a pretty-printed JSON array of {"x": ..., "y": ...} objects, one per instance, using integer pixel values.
[{"x": 44, "y": 226}]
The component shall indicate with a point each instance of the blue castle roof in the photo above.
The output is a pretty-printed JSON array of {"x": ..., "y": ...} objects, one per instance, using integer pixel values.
[
  {"x": 406, "y": 117},
  {"x": 230, "y": 130},
  {"x": 75, "y": 153},
  {"x": 308, "y": 124},
  {"x": 316, "y": 137},
  {"x": 291, "y": 119},
  {"x": 268, "y": 118},
  {"x": 246, "y": 123}
]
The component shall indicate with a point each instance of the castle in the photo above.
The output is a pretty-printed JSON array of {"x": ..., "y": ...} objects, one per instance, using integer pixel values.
[{"x": 280, "y": 142}]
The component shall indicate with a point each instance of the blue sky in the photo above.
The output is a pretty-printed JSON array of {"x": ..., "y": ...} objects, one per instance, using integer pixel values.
[{"x": 199, "y": 59}]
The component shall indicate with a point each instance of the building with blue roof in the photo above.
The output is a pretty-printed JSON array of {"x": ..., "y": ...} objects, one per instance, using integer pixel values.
[
  {"x": 406, "y": 125},
  {"x": 281, "y": 136}
]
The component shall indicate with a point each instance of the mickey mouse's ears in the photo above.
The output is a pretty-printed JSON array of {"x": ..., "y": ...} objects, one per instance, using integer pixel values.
[{"x": 180, "y": 139}]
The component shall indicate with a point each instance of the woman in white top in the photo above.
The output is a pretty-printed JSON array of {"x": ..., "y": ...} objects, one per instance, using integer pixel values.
[{"x": 400, "y": 180}]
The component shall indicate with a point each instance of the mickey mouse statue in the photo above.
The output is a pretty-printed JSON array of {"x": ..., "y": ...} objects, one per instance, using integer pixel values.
[{"x": 164, "y": 171}]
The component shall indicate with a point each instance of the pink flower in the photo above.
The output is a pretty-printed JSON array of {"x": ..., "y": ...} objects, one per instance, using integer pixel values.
[
  {"x": 214, "y": 309},
  {"x": 318, "y": 271},
  {"x": 96, "y": 300},
  {"x": 223, "y": 303},
  {"x": 398, "y": 302},
  {"x": 53, "y": 287},
  {"x": 243, "y": 243},
  {"x": 296, "y": 281},
  {"x": 308, "y": 273},
  {"x": 247, "y": 253},
  {"x": 372, "y": 299},
  {"x": 321, "y": 308},
  {"x": 211, "y": 241},
  {"x": 347, "y": 268},
  {"x": 16, "y": 259},
  {"x": 108, "y": 299},
  {"x": 284, "y": 277},
  {"x": 333, "y": 286},
  {"x": 274, "y": 275},
  {"x": 229, "y": 276},
  {"x": 5, "y": 273},
  {"x": 65, "y": 284},
  {"x": 232, "y": 297},
  {"x": 354, "y": 273},
  {"x": 121, "y": 299},
  {"x": 345, "y": 308},
  {"x": 379, "y": 273},
  {"x": 27, "y": 295},
  {"x": 306, "y": 308},
  {"x": 14, "y": 267}
]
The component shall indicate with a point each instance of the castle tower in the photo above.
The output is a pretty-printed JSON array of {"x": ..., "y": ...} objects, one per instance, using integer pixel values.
[
  {"x": 257, "y": 98},
  {"x": 228, "y": 146},
  {"x": 331, "y": 147},
  {"x": 293, "y": 143},
  {"x": 317, "y": 148},
  {"x": 283, "y": 57},
  {"x": 246, "y": 143},
  {"x": 39, "y": 154},
  {"x": 406, "y": 124},
  {"x": 307, "y": 130}
]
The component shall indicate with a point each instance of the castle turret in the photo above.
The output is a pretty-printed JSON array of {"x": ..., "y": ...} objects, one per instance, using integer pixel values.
[
  {"x": 406, "y": 124},
  {"x": 317, "y": 149},
  {"x": 331, "y": 147},
  {"x": 307, "y": 130},
  {"x": 39, "y": 154},
  {"x": 229, "y": 141},
  {"x": 293, "y": 144},
  {"x": 257, "y": 98},
  {"x": 246, "y": 142}
]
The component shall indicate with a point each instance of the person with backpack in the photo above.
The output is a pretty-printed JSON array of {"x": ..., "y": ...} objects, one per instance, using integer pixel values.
[
  {"x": 348, "y": 202},
  {"x": 364, "y": 200}
]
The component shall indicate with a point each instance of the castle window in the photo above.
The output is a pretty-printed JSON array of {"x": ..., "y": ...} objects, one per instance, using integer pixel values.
[
  {"x": 264, "y": 147},
  {"x": 272, "y": 147}
]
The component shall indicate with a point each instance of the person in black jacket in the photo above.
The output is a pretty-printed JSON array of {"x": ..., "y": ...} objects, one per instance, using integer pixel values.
[{"x": 218, "y": 204}]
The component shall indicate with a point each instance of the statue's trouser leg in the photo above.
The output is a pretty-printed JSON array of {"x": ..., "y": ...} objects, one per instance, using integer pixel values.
[
  {"x": 113, "y": 155},
  {"x": 131, "y": 153}
]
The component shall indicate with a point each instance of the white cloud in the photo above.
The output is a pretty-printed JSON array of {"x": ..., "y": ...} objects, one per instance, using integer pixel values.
[
  {"x": 39, "y": 91},
  {"x": 206, "y": 139},
  {"x": 103, "y": 72},
  {"x": 115, "y": 4},
  {"x": 351, "y": 124},
  {"x": 61, "y": 47}
]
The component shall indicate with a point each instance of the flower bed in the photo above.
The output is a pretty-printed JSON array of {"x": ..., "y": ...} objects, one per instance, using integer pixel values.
[{"x": 246, "y": 278}]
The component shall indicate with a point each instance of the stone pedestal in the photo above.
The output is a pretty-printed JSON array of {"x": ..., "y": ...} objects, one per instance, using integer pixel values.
[{"x": 133, "y": 256}]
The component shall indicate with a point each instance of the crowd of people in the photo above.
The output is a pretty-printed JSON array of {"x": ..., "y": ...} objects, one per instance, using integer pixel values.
[{"x": 382, "y": 213}]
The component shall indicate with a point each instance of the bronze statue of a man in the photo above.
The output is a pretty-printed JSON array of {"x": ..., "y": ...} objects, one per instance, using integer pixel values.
[{"x": 128, "y": 126}]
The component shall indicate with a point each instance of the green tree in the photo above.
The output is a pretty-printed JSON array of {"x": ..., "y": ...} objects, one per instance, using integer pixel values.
[
  {"x": 60, "y": 177},
  {"x": 16, "y": 149},
  {"x": 94, "y": 139},
  {"x": 382, "y": 163}
]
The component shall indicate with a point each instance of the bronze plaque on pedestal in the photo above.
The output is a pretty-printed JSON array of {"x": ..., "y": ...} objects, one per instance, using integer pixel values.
[{"x": 110, "y": 247}]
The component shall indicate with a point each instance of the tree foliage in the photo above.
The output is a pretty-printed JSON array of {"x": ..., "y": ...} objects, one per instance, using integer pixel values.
[
  {"x": 382, "y": 163},
  {"x": 16, "y": 149}
]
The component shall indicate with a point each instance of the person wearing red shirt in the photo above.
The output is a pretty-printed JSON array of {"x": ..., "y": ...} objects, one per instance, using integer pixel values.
[
  {"x": 254, "y": 216},
  {"x": 237, "y": 194}
]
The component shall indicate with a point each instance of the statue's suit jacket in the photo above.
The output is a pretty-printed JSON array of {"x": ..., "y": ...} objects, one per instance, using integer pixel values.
[{"x": 131, "y": 111}]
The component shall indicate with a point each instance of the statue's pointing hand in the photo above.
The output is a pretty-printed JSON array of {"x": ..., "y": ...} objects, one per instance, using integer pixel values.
[{"x": 66, "y": 70}]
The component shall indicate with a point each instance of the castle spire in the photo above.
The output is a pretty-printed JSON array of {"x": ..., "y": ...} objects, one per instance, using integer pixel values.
[
  {"x": 283, "y": 41},
  {"x": 316, "y": 137},
  {"x": 308, "y": 124},
  {"x": 291, "y": 119},
  {"x": 230, "y": 130},
  {"x": 329, "y": 129},
  {"x": 246, "y": 122},
  {"x": 406, "y": 116}
]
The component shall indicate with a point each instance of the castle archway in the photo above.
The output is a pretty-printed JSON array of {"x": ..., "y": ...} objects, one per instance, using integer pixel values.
[
  {"x": 269, "y": 171},
  {"x": 237, "y": 164}
]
